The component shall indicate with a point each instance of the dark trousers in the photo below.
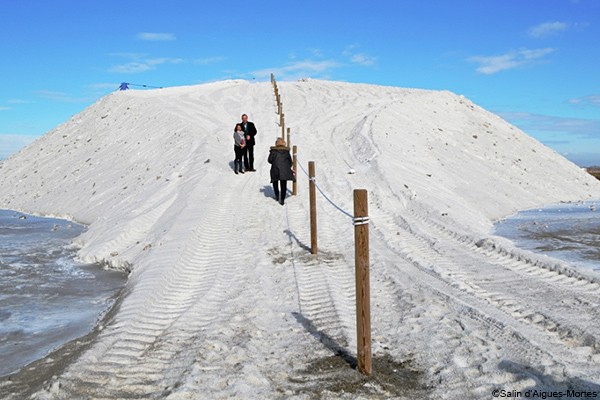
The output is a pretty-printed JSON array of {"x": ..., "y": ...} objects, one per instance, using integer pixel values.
[
  {"x": 239, "y": 153},
  {"x": 280, "y": 194},
  {"x": 249, "y": 157}
]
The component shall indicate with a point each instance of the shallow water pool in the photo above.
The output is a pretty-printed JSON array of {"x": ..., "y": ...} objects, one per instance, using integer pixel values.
[{"x": 46, "y": 297}]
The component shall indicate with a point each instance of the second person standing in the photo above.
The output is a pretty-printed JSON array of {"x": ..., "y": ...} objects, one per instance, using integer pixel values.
[{"x": 250, "y": 131}]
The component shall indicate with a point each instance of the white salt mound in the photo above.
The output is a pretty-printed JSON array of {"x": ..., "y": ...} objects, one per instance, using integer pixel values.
[{"x": 224, "y": 298}]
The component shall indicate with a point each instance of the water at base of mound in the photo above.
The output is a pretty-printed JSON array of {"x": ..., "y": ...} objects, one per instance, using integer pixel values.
[
  {"x": 46, "y": 297},
  {"x": 569, "y": 231}
]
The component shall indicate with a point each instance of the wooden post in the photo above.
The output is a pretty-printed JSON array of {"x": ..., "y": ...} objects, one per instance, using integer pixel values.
[
  {"x": 289, "y": 143},
  {"x": 313, "y": 207},
  {"x": 295, "y": 168},
  {"x": 282, "y": 124},
  {"x": 361, "y": 262}
]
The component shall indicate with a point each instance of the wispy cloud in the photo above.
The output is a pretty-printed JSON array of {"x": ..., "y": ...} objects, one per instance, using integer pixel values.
[
  {"x": 363, "y": 59},
  {"x": 13, "y": 102},
  {"x": 593, "y": 100},
  {"x": 547, "y": 29},
  {"x": 208, "y": 60},
  {"x": 101, "y": 87},
  {"x": 489, "y": 65},
  {"x": 316, "y": 64},
  {"x": 156, "y": 37},
  {"x": 62, "y": 97},
  {"x": 18, "y": 101},
  {"x": 299, "y": 69},
  {"x": 572, "y": 137},
  {"x": 134, "y": 67},
  {"x": 581, "y": 127},
  {"x": 357, "y": 57}
]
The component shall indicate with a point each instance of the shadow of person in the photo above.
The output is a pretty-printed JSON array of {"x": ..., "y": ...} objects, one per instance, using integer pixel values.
[{"x": 268, "y": 191}]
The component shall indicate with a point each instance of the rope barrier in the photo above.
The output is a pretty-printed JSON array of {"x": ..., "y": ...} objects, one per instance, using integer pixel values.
[
  {"x": 314, "y": 179},
  {"x": 355, "y": 221}
]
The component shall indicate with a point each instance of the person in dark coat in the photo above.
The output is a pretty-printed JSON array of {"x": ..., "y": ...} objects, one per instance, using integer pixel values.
[
  {"x": 281, "y": 169},
  {"x": 250, "y": 131}
]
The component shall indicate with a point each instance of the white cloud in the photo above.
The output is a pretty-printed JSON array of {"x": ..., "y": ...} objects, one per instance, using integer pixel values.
[
  {"x": 102, "y": 86},
  {"x": 156, "y": 37},
  {"x": 489, "y": 65},
  {"x": 63, "y": 97},
  {"x": 3, "y": 108},
  {"x": 164, "y": 60},
  {"x": 208, "y": 60},
  {"x": 547, "y": 29},
  {"x": 363, "y": 59},
  {"x": 593, "y": 100},
  {"x": 315, "y": 65},
  {"x": 143, "y": 65},
  {"x": 131, "y": 68},
  {"x": 582, "y": 127},
  {"x": 358, "y": 58},
  {"x": 299, "y": 69},
  {"x": 572, "y": 137}
]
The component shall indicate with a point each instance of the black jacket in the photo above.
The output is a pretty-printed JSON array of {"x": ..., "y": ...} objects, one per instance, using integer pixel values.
[
  {"x": 281, "y": 164},
  {"x": 249, "y": 130}
]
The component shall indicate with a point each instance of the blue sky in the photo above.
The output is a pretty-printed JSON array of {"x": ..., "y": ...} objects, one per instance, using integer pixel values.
[{"x": 535, "y": 63}]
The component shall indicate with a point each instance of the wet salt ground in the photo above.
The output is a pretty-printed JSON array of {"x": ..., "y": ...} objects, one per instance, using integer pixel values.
[
  {"x": 46, "y": 297},
  {"x": 570, "y": 232}
]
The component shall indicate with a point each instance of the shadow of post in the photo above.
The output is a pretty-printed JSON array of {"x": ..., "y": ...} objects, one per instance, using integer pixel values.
[
  {"x": 326, "y": 340},
  {"x": 293, "y": 237}
]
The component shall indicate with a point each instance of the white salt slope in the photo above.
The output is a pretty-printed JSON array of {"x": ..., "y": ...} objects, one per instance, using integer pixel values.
[{"x": 223, "y": 298}]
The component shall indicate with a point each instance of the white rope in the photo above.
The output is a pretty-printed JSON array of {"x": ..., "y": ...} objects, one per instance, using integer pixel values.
[{"x": 313, "y": 179}]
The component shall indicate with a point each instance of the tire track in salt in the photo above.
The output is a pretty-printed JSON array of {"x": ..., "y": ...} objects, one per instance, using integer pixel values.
[
  {"x": 140, "y": 357},
  {"x": 518, "y": 285},
  {"x": 324, "y": 287},
  {"x": 437, "y": 252},
  {"x": 447, "y": 352},
  {"x": 513, "y": 331}
]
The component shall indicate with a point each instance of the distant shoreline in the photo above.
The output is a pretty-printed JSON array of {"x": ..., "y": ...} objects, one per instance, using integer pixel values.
[{"x": 594, "y": 171}]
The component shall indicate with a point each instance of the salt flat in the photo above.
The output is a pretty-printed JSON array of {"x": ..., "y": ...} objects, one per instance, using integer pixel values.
[{"x": 224, "y": 299}]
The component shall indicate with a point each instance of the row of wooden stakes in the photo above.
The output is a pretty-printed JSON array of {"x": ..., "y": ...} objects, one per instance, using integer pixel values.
[{"x": 361, "y": 244}]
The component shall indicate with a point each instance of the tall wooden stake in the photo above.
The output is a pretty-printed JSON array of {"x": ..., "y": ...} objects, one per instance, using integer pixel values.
[
  {"x": 295, "y": 167},
  {"x": 289, "y": 143},
  {"x": 363, "y": 300},
  {"x": 282, "y": 123},
  {"x": 313, "y": 207}
]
